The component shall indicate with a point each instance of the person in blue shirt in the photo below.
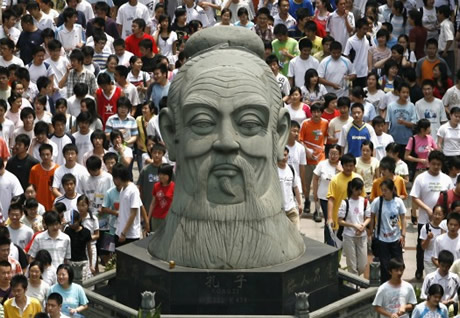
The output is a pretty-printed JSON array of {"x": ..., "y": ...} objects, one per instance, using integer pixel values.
[
  {"x": 297, "y": 4},
  {"x": 401, "y": 116},
  {"x": 160, "y": 87}
]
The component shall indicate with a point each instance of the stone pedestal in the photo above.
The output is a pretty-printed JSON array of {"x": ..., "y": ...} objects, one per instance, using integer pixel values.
[{"x": 260, "y": 291}]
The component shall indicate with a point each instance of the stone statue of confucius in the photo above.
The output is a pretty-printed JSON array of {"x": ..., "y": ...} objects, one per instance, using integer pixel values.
[{"x": 226, "y": 128}]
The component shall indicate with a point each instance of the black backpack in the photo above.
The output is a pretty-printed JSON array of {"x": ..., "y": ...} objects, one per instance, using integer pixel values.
[{"x": 340, "y": 230}]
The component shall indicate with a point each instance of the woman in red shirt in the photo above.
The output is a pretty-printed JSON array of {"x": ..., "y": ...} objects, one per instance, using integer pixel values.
[
  {"x": 441, "y": 80},
  {"x": 163, "y": 193}
]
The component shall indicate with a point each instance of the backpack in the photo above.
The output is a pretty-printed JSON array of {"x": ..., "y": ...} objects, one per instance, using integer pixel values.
[{"x": 341, "y": 228}]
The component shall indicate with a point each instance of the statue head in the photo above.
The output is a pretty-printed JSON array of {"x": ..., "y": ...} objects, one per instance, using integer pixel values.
[
  {"x": 148, "y": 300},
  {"x": 225, "y": 128}
]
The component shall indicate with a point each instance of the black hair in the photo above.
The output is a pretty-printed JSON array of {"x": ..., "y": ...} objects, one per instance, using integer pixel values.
[
  {"x": 383, "y": 33},
  {"x": 23, "y": 139},
  {"x": 431, "y": 41},
  {"x": 436, "y": 155},
  {"x": 398, "y": 5},
  {"x": 336, "y": 46},
  {"x": 368, "y": 143},
  {"x": 44, "y": 147},
  {"x": 166, "y": 169},
  {"x": 347, "y": 158},
  {"x": 121, "y": 172},
  {"x": 328, "y": 98},
  {"x": 43, "y": 256},
  {"x": 309, "y": 74},
  {"x": 77, "y": 55},
  {"x": 242, "y": 11},
  {"x": 19, "y": 279},
  {"x": 41, "y": 128},
  {"x": 8, "y": 42},
  {"x": 396, "y": 263},
  {"x": 444, "y": 10},
  {"x": 378, "y": 120},
  {"x": 42, "y": 82},
  {"x": 305, "y": 43},
  {"x": 311, "y": 26},
  {"x": 88, "y": 51},
  {"x": 110, "y": 155},
  {"x": 388, "y": 163},
  {"x": 416, "y": 16},
  {"x": 357, "y": 105},
  {"x": 91, "y": 108},
  {"x": 343, "y": 101},
  {"x": 454, "y": 205},
  {"x": 122, "y": 70},
  {"x": 272, "y": 59},
  {"x": 390, "y": 185},
  {"x": 93, "y": 163},
  {"x": 102, "y": 6},
  {"x": 124, "y": 102},
  {"x": 69, "y": 147},
  {"x": 446, "y": 257},
  {"x": 81, "y": 89},
  {"x": 280, "y": 29},
  {"x": 104, "y": 79},
  {"x": 25, "y": 112},
  {"x": 37, "y": 263},
  {"x": 59, "y": 118},
  {"x": 454, "y": 216},
  {"x": 295, "y": 124},
  {"x": 68, "y": 177},
  {"x": 358, "y": 92},
  {"x": 85, "y": 198},
  {"x": 56, "y": 296},
  {"x": 421, "y": 124},
  {"x": 84, "y": 117},
  {"x": 69, "y": 270},
  {"x": 146, "y": 44},
  {"x": 98, "y": 134},
  {"x": 60, "y": 207},
  {"x": 68, "y": 13},
  {"x": 51, "y": 218},
  {"x": 354, "y": 184},
  {"x": 194, "y": 26},
  {"x": 317, "y": 107},
  {"x": 435, "y": 289}
]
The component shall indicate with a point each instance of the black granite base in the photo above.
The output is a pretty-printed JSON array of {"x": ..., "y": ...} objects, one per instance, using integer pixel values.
[{"x": 268, "y": 290}]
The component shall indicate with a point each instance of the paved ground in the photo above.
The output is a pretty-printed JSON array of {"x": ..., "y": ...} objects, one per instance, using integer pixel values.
[{"x": 315, "y": 231}]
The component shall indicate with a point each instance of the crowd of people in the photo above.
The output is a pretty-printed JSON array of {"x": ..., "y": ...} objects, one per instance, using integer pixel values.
[{"x": 373, "y": 94}]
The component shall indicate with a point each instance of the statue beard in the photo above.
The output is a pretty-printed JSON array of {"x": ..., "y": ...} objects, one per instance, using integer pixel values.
[{"x": 201, "y": 234}]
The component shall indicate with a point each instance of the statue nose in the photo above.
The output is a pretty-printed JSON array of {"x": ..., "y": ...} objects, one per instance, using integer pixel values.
[{"x": 226, "y": 141}]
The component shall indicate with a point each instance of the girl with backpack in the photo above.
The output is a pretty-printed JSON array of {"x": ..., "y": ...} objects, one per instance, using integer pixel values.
[
  {"x": 354, "y": 216},
  {"x": 389, "y": 227}
]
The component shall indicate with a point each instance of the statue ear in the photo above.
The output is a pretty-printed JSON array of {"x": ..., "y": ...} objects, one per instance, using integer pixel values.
[
  {"x": 283, "y": 129},
  {"x": 168, "y": 131}
]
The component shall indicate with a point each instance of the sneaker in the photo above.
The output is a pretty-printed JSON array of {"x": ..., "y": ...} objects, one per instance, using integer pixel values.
[
  {"x": 306, "y": 207},
  {"x": 418, "y": 275},
  {"x": 317, "y": 217}
]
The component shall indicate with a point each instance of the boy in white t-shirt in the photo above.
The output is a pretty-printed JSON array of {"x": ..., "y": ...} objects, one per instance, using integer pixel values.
[
  {"x": 70, "y": 195},
  {"x": 58, "y": 63},
  {"x": 288, "y": 189},
  {"x": 449, "y": 281},
  {"x": 396, "y": 297},
  {"x": 300, "y": 64},
  {"x": 383, "y": 138},
  {"x": 449, "y": 241},
  {"x": 282, "y": 80},
  {"x": 83, "y": 135},
  {"x": 130, "y": 91},
  {"x": 428, "y": 235},
  {"x": 452, "y": 96}
]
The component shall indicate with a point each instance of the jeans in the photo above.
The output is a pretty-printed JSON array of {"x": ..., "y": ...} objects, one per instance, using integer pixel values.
[
  {"x": 327, "y": 236},
  {"x": 387, "y": 251}
]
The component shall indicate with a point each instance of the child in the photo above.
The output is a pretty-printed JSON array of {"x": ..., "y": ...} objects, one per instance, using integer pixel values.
[
  {"x": 355, "y": 223},
  {"x": 20, "y": 234},
  {"x": 395, "y": 297},
  {"x": 58, "y": 63},
  {"x": 38, "y": 67},
  {"x": 53, "y": 240},
  {"x": 453, "y": 169},
  {"x": 110, "y": 159},
  {"x": 367, "y": 166},
  {"x": 448, "y": 280},
  {"x": 149, "y": 174},
  {"x": 312, "y": 90},
  {"x": 70, "y": 34},
  {"x": 389, "y": 227},
  {"x": 282, "y": 80},
  {"x": 130, "y": 91},
  {"x": 330, "y": 107},
  {"x": 107, "y": 96},
  {"x": 300, "y": 64},
  {"x": 31, "y": 217},
  {"x": 41, "y": 131},
  {"x": 30, "y": 192},
  {"x": 449, "y": 241},
  {"x": 401, "y": 169},
  {"x": 21, "y": 305},
  {"x": 383, "y": 138},
  {"x": 80, "y": 241},
  {"x": 284, "y": 47},
  {"x": 401, "y": 116},
  {"x": 40, "y": 175},
  {"x": 60, "y": 137},
  {"x": 387, "y": 170},
  {"x": 432, "y": 307},
  {"x": 83, "y": 135},
  {"x": 77, "y": 74},
  {"x": 91, "y": 223},
  {"x": 70, "y": 195},
  {"x": 88, "y": 62},
  {"x": 428, "y": 235},
  {"x": 422, "y": 143}
]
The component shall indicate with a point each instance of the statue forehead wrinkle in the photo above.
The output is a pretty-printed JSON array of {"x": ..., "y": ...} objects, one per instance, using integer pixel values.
[{"x": 213, "y": 66}]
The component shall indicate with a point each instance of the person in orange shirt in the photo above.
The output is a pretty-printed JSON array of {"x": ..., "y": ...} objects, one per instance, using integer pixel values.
[
  {"x": 313, "y": 135},
  {"x": 41, "y": 176},
  {"x": 424, "y": 67},
  {"x": 387, "y": 168}
]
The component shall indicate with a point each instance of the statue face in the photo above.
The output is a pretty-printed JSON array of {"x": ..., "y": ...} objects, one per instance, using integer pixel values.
[{"x": 232, "y": 126}]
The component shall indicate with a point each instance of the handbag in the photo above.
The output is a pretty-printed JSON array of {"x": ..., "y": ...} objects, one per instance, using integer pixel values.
[{"x": 375, "y": 238}]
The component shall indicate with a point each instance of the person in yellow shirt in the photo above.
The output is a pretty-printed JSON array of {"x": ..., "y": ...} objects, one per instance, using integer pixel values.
[
  {"x": 337, "y": 190},
  {"x": 21, "y": 306},
  {"x": 387, "y": 169},
  {"x": 310, "y": 32}
]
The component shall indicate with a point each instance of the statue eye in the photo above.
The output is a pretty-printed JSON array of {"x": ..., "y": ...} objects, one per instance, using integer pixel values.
[
  {"x": 250, "y": 124},
  {"x": 202, "y": 124}
]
